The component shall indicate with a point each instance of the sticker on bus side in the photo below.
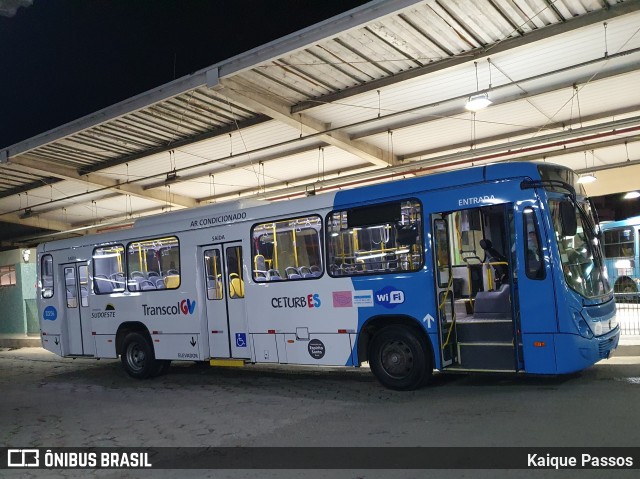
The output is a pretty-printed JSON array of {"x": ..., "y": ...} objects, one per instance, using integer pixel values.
[
  {"x": 50, "y": 313},
  {"x": 363, "y": 299},
  {"x": 342, "y": 299},
  {"x": 389, "y": 297}
]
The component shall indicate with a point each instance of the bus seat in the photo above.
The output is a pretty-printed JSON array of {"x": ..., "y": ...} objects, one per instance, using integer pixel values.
[
  {"x": 315, "y": 270},
  {"x": 152, "y": 274},
  {"x": 145, "y": 285},
  {"x": 118, "y": 280},
  {"x": 172, "y": 272},
  {"x": 493, "y": 304},
  {"x": 259, "y": 263},
  {"x": 292, "y": 273},
  {"x": 274, "y": 275},
  {"x": 260, "y": 268},
  {"x": 172, "y": 282},
  {"x": 102, "y": 284},
  {"x": 305, "y": 272},
  {"x": 137, "y": 274},
  {"x": 236, "y": 286},
  {"x": 159, "y": 283},
  {"x": 494, "y": 256}
]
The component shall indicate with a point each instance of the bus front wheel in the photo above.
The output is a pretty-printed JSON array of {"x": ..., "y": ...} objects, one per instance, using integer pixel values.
[
  {"x": 398, "y": 359},
  {"x": 138, "y": 358}
]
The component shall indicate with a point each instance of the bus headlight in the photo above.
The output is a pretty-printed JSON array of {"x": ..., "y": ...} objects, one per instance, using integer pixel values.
[{"x": 582, "y": 326}]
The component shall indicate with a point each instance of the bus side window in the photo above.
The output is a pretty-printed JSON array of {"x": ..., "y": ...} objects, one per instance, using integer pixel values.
[
  {"x": 108, "y": 267},
  {"x": 153, "y": 264},
  {"x": 288, "y": 249},
  {"x": 213, "y": 267},
  {"x": 534, "y": 259},
  {"x": 71, "y": 288},
  {"x": 378, "y": 239},
  {"x": 46, "y": 276},
  {"x": 234, "y": 268}
]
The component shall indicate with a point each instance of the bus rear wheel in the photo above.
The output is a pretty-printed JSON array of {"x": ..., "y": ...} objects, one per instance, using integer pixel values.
[
  {"x": 138, "y": 358},
  {"x": 398, "y": 359}
]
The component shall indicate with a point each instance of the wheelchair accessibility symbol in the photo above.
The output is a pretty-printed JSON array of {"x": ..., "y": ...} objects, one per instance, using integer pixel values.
[{"x": 241, "y": 340}]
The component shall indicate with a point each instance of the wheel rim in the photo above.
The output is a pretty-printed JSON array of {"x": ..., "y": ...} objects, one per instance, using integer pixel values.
[
  {"x": 135, "y": 357},
  {"x": 396, "y": 359}
]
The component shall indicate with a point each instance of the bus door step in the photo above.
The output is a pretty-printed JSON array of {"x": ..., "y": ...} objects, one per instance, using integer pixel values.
[
  {"x": 487, "y": 356},
  {"x": 237, "y": 363},
  {"x": 472, "y": 330}
]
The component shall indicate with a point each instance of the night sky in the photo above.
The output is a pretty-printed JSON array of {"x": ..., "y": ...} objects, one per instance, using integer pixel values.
[{"x": 63, "y": 59}]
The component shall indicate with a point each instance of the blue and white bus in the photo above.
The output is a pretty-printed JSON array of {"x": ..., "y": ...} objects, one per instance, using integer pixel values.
[
  {"x": 488, "y": 269},
  {"x": 622, "y": 253}
]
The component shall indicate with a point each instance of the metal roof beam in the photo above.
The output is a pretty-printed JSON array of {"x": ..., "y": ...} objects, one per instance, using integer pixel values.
[
  {"x": 241, "y": 163},
  {"x": 530, "y": 131},
  {"x": 590, "y": 18},
  {"x": 519, "y": 96},
  {"x": 176, "y": 144},
  {"x": 502, "y": 152},
  {"x": 273, "y": 189},
  {"x": 263, "y": 102},
  {"x": 29, "y": 186},
  {"x": 71, "y": 174},
  {"x": 35, "y": 221}
]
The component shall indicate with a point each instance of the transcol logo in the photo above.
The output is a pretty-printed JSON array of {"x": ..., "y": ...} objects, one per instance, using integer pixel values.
[
  {"x": 389, "y": 297},
  {"x": 186, "y": 306}
]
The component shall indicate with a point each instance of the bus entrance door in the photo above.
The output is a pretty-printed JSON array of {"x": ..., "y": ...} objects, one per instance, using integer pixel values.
[
  {"x": 444, "y": 289},
  {"x": 76, "y": 310},
  {"x": 474, "y": 288},
  {"x": 224, "y": 280}
]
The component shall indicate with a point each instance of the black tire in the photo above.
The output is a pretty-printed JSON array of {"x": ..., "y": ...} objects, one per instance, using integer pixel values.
[
  {"x": 398, "y": 359},
  {"x": 138, "y": 358}
]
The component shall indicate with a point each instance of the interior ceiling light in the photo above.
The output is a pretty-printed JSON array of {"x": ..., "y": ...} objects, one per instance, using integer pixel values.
[
  {"x": 478, "y": 102},
  {"x": 587, "y": 178},
  {"x": 28, "y": 213},
  {"x": 172, "y": 177},
  {"x": 632, "y": 195}
]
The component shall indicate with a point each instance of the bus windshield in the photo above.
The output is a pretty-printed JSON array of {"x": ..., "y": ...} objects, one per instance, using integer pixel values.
[{"x": 581, "y": 254}]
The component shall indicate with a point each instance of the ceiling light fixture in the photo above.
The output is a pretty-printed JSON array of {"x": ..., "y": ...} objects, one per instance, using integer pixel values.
[
  {"x": 587, "y": 178},
  {"x": 172, "y": 177},
  {"x": 28, "y": 213},
  {"x": 631, "y": 195},
  {"x": 478, "y": 102}
]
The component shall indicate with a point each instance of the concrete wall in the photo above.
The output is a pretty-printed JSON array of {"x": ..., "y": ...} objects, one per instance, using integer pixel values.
[{"x": 18, "y": 311}]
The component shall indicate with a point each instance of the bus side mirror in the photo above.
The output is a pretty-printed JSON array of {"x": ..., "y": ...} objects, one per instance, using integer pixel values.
[{"x": 568, "y": 218}]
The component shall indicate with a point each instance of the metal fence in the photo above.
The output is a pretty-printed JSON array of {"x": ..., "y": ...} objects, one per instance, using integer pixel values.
[{"x": 628, "y": 314}]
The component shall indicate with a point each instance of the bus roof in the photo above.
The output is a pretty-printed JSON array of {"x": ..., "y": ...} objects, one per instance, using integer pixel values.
[
  {"x": 633, "y": 221},
  {"x": 362, "y": 194}
]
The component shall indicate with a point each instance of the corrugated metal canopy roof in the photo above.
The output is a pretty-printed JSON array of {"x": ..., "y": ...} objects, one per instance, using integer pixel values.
[{"x": 376, "y": 90}]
